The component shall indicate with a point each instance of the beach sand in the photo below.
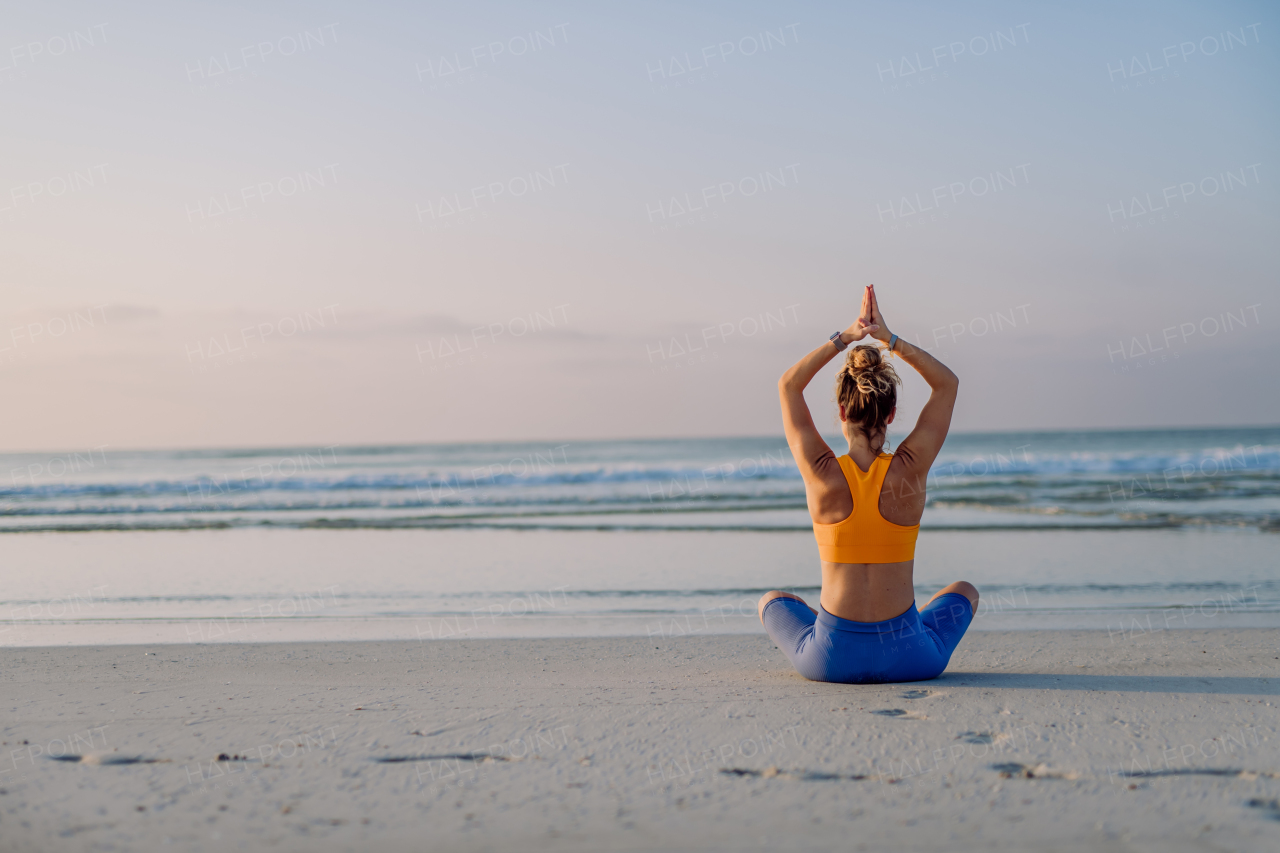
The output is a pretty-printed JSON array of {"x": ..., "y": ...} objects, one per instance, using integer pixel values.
[{"x": 1033, "y": 740}]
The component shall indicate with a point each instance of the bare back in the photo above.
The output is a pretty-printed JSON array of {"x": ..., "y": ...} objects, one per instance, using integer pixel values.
[{"x": 868, "y": 592}]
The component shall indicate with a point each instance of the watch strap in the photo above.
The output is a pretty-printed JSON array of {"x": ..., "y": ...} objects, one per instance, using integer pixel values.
[{"x": 841, "y": 346}]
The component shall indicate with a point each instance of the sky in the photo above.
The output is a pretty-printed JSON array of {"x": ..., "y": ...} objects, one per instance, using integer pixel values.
[{"x": 223, "y": 224}]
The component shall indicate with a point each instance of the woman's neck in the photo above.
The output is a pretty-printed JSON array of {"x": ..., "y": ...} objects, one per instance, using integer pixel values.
[{"x": 864, "y": 448}]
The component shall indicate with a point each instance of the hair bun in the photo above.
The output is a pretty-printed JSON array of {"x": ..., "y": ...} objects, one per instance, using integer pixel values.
[
  {"x": 863, "y": 358},
  {"x": 865, "y": 391}
]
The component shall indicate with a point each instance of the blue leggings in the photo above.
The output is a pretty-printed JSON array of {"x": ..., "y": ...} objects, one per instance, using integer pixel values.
[{"x": 915, "y": 646}]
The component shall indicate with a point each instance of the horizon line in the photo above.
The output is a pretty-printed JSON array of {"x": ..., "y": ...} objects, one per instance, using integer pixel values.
[{"x": 654, "y": 439}]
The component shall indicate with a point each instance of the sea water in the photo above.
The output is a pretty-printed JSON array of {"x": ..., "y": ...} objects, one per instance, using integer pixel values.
[{"x": 1132, "y": 531}]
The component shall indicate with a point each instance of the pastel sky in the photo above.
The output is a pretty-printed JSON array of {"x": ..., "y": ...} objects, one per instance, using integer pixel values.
[{"x": 228, "y": 224}]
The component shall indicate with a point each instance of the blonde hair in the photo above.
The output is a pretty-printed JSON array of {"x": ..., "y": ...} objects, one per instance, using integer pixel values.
[{"x": 866, "y": 390}]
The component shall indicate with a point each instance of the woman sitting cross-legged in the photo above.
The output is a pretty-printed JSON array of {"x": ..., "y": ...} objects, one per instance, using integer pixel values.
[{"x": 866, "y": 508}]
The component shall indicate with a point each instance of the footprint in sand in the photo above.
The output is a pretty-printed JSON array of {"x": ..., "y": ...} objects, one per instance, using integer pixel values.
[
  {"x": 975, "y": 737},
  {"x": 915, "y": 694},
  {"x": 108, "y": 759},
  {"x": 479, "y": 757},
  {"x": 1271, "y": 808},
  {"x": 891, "y": 712}
]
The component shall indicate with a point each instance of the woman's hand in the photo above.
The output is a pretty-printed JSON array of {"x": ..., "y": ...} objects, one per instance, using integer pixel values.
[
  {"x": 864, "y": 325},
  {"x": 880, "y": 331}
]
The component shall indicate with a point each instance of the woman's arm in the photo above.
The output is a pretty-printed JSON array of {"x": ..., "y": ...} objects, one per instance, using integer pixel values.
[
  {"x": 921, "y": 447},
  {"x": 806, "y": 444}
]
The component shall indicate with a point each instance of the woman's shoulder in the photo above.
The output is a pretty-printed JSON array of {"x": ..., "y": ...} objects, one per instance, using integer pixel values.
[
  {"x": 830, "y": 500},
  {"x": 832, "y": 462},
  {"x": 903, "y": 465},
  {"x": 902, "y": 453}
]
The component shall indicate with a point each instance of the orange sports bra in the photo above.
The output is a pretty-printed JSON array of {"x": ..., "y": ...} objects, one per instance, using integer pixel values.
[{"x": 865, "y": 536}]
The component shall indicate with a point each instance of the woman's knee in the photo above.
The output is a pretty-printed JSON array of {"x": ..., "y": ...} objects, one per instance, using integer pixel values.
[
  {"x": 964, "y": 588},
  {"x": 770, "y": 596}
]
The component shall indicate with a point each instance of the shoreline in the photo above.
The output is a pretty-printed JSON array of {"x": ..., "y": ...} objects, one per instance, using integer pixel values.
[
  {"x": 580, "y": 522},
  {"x": 1118, "y": 625},
  {"x": 284, "y": 585}
]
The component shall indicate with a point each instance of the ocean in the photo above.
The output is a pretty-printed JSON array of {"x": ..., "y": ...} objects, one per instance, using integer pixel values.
[{"x": 1111, "y": 529}]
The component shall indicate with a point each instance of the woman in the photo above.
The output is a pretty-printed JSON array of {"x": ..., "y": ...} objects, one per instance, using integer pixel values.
[{"x": 866, "y": 510}]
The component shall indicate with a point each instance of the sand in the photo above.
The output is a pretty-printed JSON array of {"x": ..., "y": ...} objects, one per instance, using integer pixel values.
[{"x": 1033, "y": 740}]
